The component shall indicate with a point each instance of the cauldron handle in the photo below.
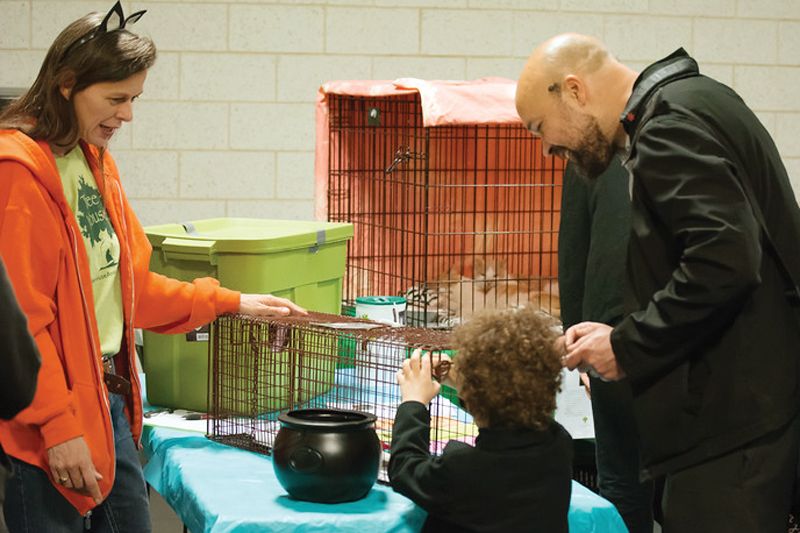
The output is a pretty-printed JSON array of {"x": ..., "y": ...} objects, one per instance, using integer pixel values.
[{"x": 306, "y": 460}]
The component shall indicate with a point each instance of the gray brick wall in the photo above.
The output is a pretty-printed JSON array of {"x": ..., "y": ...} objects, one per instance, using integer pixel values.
[{"x": 226, "y": 124}]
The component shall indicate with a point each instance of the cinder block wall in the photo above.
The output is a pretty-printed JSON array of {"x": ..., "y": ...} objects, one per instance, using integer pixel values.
[{"x": 226, "y": 125}]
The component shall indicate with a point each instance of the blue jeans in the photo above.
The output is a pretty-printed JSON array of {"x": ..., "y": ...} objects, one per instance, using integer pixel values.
[
  {"x": 33, "y": 505},
  {"x": 617, "y": 442}
]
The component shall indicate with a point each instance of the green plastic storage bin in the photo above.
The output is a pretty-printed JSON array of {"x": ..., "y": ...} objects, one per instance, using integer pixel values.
[{"x": 300, "y": 260}]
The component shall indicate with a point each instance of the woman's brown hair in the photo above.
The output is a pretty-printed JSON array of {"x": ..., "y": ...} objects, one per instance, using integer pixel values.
[
  {"x": 42, "y": 112},
  {"x": 508, "y": 367}
]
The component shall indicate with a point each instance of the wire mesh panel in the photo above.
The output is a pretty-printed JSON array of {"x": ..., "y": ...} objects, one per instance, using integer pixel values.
[
  {"x": 260, "y": 368},
  {"x": 455, "y": 218}
]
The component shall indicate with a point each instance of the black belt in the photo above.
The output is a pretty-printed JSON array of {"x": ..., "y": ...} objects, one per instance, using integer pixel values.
[{"x": 116, "y": 384}]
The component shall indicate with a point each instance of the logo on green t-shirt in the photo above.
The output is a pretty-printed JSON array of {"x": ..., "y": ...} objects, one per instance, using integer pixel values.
[{"x": 93, "y": 219}]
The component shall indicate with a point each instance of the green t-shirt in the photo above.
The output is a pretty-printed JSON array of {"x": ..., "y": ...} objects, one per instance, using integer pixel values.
[{"x": 102, "y": 245}]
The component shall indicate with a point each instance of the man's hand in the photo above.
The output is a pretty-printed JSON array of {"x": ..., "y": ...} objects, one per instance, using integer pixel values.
[
  {"x": 416, "y": 383},
  {"x": 588, "y": 345},
  {"x": 71, "y": 466},
  {"x": 266, "y": 305},
  {"x": 587, "y": 385}
]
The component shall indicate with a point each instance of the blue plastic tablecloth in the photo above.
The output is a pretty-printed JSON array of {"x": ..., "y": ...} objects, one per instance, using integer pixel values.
[{"x": 219, "y": 489}]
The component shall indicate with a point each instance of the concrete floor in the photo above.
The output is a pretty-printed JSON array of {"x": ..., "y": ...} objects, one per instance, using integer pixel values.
[{"x": 162, "y": 516}]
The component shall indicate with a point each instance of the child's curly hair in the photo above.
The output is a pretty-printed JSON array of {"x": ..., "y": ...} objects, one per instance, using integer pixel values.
[{"x": 508, "y": 368}]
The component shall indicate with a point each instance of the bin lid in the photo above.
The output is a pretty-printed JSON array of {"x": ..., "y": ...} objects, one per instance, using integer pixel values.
[
  {"x": 253, "y": 235},
  {"x": 380, "y": 300}
]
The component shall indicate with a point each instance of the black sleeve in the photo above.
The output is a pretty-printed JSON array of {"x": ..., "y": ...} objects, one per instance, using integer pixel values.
[
  {"x": 696, "y": 200},
  {"x": 573, "y": 246},
  {"x": 19, "y": 364},
  {"x": 413, "y": 472}
]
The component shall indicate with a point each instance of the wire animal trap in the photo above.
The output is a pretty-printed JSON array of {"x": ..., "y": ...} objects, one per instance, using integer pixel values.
[
  {"x": 456, "y": 217},
  {"x": 260, "y": 368}
]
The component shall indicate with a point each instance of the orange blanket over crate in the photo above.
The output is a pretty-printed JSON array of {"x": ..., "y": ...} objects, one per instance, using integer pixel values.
[{"x": 483, "y": 101}]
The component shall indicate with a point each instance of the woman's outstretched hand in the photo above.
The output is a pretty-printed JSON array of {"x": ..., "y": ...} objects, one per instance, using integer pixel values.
[{"x": 266, "y": 305}]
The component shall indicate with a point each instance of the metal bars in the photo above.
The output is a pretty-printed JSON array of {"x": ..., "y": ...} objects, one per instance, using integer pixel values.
[{"x": 455, "y": 218}]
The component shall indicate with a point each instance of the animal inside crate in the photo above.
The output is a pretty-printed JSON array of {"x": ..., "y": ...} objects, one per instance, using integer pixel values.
[
  {"x": 453, "y": 203},
  {"x": 260, "y": 368}
]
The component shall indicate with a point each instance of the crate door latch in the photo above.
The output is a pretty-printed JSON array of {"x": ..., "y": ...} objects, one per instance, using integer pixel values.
[{"x": 401, "y": 156}]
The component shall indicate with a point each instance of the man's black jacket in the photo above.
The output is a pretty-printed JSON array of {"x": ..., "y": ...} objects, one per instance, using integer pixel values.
[{"x": 712, "y": 345}]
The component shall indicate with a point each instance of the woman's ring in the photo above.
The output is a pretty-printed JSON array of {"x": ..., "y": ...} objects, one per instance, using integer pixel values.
[{"x": 63, "y": 480}]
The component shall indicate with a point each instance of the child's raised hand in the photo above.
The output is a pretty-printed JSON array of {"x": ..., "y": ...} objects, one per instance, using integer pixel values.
[{"x": 415, "y": 379}]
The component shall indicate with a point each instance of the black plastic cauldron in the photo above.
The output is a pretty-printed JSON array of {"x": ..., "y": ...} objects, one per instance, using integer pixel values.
[{"x": 326, "y": 455}]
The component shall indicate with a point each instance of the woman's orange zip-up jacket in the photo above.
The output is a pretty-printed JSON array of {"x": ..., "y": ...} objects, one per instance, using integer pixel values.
[{"x": 45, "y": 256}]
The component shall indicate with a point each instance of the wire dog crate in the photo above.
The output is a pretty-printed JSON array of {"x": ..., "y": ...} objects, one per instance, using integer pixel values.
[
  {"x": 260, "y": 368},
  {"x": 455, "y": 217}
]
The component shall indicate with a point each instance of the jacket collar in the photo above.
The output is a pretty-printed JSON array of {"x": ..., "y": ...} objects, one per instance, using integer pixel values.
[{"x": 675, "y": 66}]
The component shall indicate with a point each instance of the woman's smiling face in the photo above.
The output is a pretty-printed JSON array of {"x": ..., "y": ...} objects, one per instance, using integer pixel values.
[{"x": 102, "y": 107}]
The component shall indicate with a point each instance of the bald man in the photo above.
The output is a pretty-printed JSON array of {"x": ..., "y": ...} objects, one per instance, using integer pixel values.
[{"x": 710, "y": 343}]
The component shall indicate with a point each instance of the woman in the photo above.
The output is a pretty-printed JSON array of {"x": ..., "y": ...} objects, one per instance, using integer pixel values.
[{"x": 78, "y": 259}]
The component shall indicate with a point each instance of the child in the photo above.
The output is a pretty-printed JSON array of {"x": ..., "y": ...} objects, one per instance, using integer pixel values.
[{"x": 517, "y": 477}]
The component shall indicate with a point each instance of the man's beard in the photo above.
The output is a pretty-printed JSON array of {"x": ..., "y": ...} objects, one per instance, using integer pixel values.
[{"x": 594, "y": 153}]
